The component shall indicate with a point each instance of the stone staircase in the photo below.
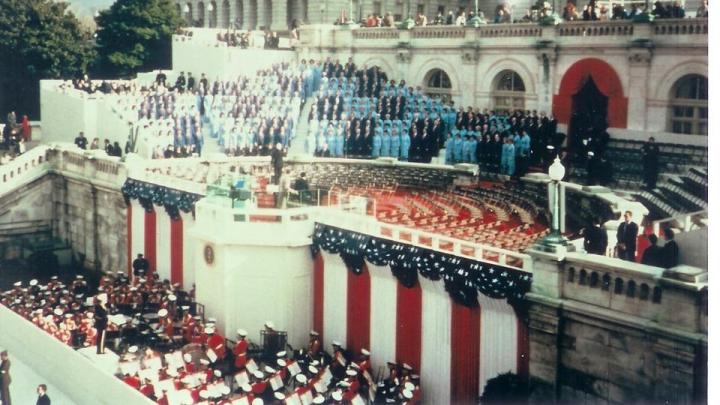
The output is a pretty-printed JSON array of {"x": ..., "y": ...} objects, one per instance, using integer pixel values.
[{"x": 298, "y": 146}]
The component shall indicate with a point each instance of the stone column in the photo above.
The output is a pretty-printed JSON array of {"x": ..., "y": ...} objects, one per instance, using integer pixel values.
[
  {"x": 261, "y": 16},
  {"x": 236, "y": 16},
  {"x": 639, "y": 59},
  {"x": 249, "y": 10},
  {"x": 279, "y": 15},
  {"x": 547, "y": 58}
]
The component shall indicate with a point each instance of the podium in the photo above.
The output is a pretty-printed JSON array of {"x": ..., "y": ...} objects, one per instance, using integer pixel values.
[{"x": 272, "y": 342}]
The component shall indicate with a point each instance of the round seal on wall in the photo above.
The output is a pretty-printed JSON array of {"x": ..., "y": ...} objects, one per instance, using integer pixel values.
[{"x": 209, "y": 254}]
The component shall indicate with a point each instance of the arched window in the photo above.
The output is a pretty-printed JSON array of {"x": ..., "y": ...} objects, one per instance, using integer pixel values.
[
  {"x": 689, "y": 105},
  {"x": 239, "y": 15},
  {"x": 630, "y": 289},
  {"x": 213, "y": 13},
  {"x": 225, "y": 14},
  {"x": 606, "y": 282},
  {"x": 571, "y": 275},
  {"x": 188, "y": 13},
  {"x": 437, "y": 83},
  {"x": 200, "y": 19},
  {"x": 618, "y": 285},
  {"x": 508, "y": 91}
]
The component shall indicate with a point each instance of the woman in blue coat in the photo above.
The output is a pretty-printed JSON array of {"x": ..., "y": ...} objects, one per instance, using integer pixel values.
[
  {"x": 404, "y": 145},
  {"x": 377, "y": 142},
  {"x": 395, "y": 144},
  {"x": 385, "y": 147},
  {"x": 507, "y": 162}
]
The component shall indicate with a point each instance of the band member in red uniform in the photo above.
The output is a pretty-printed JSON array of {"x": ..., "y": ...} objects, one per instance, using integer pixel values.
[
  {"x": 240, "y": 350},
  {"x": 314, "y": 346},
  {"x": 216, "y": 343}
]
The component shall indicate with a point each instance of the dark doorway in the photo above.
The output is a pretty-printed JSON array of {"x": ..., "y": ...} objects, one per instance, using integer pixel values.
[{"x": 588, "y": 121}]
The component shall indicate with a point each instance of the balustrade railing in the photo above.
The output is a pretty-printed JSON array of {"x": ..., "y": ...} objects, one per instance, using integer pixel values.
[
  {"x": 376, "y": 33},
  {"x": 438, "y": 32},
  {"x": 23, "y": 168},
  {"x": 595, "y": 29},
  {"x": 684, "y": 26},
  {"x": 509, "y": 30}
]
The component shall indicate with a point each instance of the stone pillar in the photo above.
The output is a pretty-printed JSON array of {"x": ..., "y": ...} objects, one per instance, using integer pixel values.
[
  {"x": 639, "y": 59},
  {"x": 262, "y": 14},
  {"x": 279, "y": 15},
  {"x": 236, "y": 14},
  {"x": 249, "y": 10},
  {"x": 547, "y": 58}
]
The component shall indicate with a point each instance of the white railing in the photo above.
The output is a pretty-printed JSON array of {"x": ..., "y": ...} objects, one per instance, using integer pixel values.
[
  {"x": 23, "y": 169},
  {"x": 684, "y": 221}
]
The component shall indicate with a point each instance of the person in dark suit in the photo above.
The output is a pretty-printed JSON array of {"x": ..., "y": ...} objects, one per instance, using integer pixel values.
[
  {"x": 43, "y": 398},
  {"x": 595, "y": 241},
  {"x": 5, "y": 379},
  {"x": 669, "y": 255},
  {"x": 140, "y": 266},
  {"x": 651, "y": 255},
  {"x": 650, "y": 159},
  {"x": 101, "y": 320},
  {"x": 627, "y": 238},
  {"x": 276, "y": 161}
]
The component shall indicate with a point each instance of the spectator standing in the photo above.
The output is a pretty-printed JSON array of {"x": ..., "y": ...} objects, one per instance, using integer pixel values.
[
  {"x": 627, "y": 238},
  {"x": 450, "y": 19},
  {"x": 389, "y": 20},
  {"x": 677, "y": 10},
  {"x": 702, "y": 11},
  {"x": 650, "y": 160},
  {"x": 670, "y": 252},
  {"x": 570, "y": 12},
  {"x": 95, "y": 144},
  {"x": 5, "y": 379},
  {"x": 660, "y": 11},
  {"x": 26, "y": 129},
  {"x": 651, "y": 255},
  {"x": 81, "y": 141},
  {"x": 618, "y": 12},
  {"x": 595, "y": 238},
  {"x": 440, "y": 19},
  {"x": 43, "y": 398},
  {"x": 461, "y": 20}
]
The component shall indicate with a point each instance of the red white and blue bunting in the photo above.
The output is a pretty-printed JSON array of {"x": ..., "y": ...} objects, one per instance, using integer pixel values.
[{"x": 463, "y": 277}]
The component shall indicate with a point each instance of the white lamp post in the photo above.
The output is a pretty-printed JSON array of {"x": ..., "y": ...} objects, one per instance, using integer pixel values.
[{"x": 555, "y": 238}]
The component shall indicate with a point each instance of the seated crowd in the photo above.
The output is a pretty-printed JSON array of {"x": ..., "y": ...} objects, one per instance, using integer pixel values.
[{"x": 172, "y": 355}]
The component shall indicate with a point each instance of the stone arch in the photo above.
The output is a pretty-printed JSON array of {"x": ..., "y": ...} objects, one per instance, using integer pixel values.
[
  {"x": 212, "y": 9},
  {"x": 225, "y": 14},
  {"x": 381, "y": 63},
  {"x": 492, "y": 73},
  {"x": 201, "y": 14},
  {"x": 668, "y": 80},
  {"x": 252, "y": 22},
  {"x": 239, "y": 15},
  {"x": 268, "y": 7},
  {"x": 607, "y": 81},
  {"x": 432, "y": 64},
  {"x": 188, "y": 13}
]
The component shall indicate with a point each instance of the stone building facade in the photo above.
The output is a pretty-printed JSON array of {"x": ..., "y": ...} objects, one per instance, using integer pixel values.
[
  {"x": 639, "y": 68},
  {"x": 277, "y": 14}
]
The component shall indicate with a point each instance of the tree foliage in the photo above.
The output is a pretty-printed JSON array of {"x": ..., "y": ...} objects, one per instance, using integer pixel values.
[
  {"x": 39, "y": 39},
  {"x": 135, "y": 35}
]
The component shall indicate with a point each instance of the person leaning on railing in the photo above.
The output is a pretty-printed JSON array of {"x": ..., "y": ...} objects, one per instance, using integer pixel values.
[{"x": 702, "y": 11}]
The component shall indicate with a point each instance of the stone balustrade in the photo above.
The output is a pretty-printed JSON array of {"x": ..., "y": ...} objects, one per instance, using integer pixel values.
[
  {"x": 593, "y": 29},
  {"x": 614, "y": 33}
]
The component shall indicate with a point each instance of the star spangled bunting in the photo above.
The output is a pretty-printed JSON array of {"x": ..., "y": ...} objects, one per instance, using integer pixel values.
[{"x": 463, "y": 278}]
